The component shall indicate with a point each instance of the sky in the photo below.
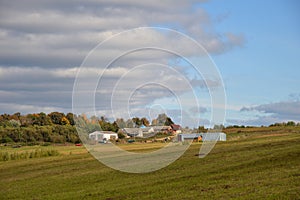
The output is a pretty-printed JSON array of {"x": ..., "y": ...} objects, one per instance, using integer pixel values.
[{"x": 46, "y": 46}]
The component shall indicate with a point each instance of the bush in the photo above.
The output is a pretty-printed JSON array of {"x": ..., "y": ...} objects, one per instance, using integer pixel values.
[
  {"x": 46, "y": 144},
  {"x": 37, "y": 134},
  {"x": 121, "y": 136},
  {"x": 6, "y": 139}
]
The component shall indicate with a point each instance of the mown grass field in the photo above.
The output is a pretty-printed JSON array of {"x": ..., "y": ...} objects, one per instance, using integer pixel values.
[{"x": 255, "y": 163}]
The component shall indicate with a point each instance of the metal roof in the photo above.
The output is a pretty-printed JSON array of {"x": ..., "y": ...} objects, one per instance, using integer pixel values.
[{"x": 218, "y": 136}]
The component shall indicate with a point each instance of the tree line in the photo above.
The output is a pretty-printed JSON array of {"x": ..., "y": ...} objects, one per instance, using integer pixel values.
[{"x": 58, "y": 127}]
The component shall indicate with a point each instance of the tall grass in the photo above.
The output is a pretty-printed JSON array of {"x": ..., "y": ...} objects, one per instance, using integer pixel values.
[{"x": 38, "y": 153}]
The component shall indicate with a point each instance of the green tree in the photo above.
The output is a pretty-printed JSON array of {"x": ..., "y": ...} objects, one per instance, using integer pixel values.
[
  {"x": 121, "y": 136},
  {"x": 163, "y": 119},
  {"x": 70, "y": 117},
  {"x": 154, "y": 122},
  {"x": 137, "y": 121},
  {"x": 145, "y": 121},
  {"x": 168, "y": 121},
  {"x": 201, "y": 129},
  {"x": 120, "y": 123},
  {"x": 43, "y": 119},
  {"x": 291, "y": 123},
  {"x": 14, "y": 123},
  {"x": 129, "y": 123},
  {"x": 5, "y": 116},
  {"x": 16, "y": 116},
  {"x": 56, "y": 117},
  {"x": 219, "y": 127},
  {"x": 6, "y": 139}
]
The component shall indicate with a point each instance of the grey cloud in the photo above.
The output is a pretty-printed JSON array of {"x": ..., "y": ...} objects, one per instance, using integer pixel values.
[
  {"x": 198, "y": 110},
  {"x": 54, "y": 33},
  {"x": 34, "y": 87},
  {"x": 44, "y": 42},
  {"x": 206, "y": 83},
  {"x": 258, "y": 121},
  {"x": 46, "y": 98},
  {"x": 275, "y": 112},
  {"x": 81, "y": 5},
  {"x": 59, "y": 16},
  {"x": 294, "y": 97},
  {"x": 285, "y": 108},
  {"x": 235, "y": 40},
  {"x": 243, "y": 109},
  {"x": 29, "y": 108}
]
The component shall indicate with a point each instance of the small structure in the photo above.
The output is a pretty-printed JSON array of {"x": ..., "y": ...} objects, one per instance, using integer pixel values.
[
  {"x": 139, "y": 132},
  {"x": 133, "y": 132},
  {"x": 204, "y": 136},
  {"x": 103, "y": 136},
  {"x": 144, "y": 131},
  {"x": 176, "y": 129},
  {"x": 162, "y": 129}
]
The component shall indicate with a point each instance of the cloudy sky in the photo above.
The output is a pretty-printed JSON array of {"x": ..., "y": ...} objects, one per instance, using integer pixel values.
[{"x": 255, "y": 45}]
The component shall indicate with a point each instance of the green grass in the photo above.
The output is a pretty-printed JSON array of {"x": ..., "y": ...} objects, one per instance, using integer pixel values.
[
  {"x": 254, "y": 164},
  {"x": 6, "y": 155}
]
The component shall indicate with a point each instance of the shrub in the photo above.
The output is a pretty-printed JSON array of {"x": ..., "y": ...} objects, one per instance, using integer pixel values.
[{"x": 6, "y": 139}]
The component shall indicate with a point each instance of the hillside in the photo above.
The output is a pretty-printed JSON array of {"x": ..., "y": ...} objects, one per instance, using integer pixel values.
[{"x": 255, "y": 163}]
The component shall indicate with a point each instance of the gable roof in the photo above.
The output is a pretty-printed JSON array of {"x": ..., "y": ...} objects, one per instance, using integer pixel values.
[
  {"x": 160, "y": 128},
  {"x": 175, "y": 127}
]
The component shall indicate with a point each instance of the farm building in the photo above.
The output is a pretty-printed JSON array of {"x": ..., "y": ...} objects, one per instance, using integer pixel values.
[
  {"x": 163, "y": 129},
  {"x": 175, "y": 128},
  {"x": 133, "y": 132},
  {"x": 103, "y": 135},
  {"x": 204, "y": 136},
  {"x": 144, "y": 131},
  {"x": 139, "y": 132}
]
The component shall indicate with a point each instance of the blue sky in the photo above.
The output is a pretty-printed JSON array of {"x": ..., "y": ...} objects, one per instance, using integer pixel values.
[
  {"x": 254, "y": 44},
  {"x": 265, "y": 70}
]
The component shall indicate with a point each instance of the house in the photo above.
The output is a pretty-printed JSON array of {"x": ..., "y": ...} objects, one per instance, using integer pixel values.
[
  {"x": 176, "y": 129},
  {"x": 103, "y": 136},
  {"x": 204, "y": 136},
  {"x": 162, "y": 129},
  {"x": 143, "y": 131},
  {"x": 133, "y": 132},
  {"x": 146, "y": 130}
]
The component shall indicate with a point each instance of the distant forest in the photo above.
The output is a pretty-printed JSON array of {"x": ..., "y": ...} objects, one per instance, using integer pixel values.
[{"x": 57, "y": 127}]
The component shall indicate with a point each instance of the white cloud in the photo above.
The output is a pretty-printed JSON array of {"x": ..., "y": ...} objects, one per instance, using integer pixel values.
[
  {"x": 43, "y": 43},
  {"x": 272, "y": 112},
  {"x": 24, "y": 109},
  {"x": 64, "y": 32},
  {"x": 285, "y": 108}
]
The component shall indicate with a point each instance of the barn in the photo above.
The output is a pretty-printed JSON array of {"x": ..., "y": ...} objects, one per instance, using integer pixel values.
[
  {"x": 205, "y": 136},
  {"x": 143, "y": 131},
  {"x": 103, "y": 135}
]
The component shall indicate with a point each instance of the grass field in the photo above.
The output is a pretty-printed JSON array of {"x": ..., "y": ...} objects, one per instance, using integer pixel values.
[{"x": 255, "y": 163}]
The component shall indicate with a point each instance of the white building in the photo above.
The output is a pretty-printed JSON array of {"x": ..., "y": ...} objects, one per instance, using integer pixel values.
[{"x": 103, "y": 135}]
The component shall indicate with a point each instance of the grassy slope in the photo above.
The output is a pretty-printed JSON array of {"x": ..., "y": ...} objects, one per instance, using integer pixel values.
[{"x": 254, "y": 164}]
